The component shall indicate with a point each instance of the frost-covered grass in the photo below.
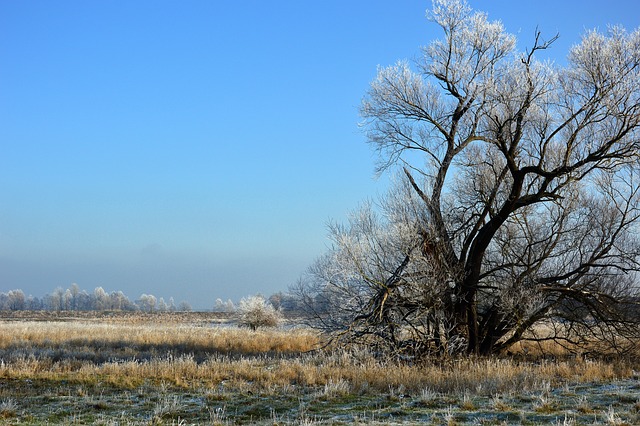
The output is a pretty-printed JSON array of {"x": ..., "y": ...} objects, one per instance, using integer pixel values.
[{"x": 190, "y": 370}]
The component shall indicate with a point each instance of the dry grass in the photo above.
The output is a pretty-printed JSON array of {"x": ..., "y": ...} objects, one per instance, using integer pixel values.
[
  {"x": 160, "y": 336},
  {"x": 547, "y": 347},
  {"x": 197, "y": 354},
  {"x": 8, "y": 409},
  {"x": 129, "y": 353}
]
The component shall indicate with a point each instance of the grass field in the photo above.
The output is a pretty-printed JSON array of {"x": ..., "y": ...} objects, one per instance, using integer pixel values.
[{"x": 198, "y": 368}]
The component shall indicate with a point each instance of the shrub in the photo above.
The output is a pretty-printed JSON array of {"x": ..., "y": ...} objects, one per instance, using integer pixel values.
[{"x": 255, "y": 311}]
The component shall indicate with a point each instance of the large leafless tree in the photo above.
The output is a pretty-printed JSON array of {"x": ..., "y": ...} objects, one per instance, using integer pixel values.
[{"x": 515, "y": 214}]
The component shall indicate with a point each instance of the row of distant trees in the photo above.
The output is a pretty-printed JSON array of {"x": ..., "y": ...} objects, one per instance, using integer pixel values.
[
  {"x": 76, "y": 299},
  {"x": 279, "y": 301}
]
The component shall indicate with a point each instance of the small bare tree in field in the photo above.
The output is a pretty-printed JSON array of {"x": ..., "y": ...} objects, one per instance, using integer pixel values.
[
  {"x": 255, "y": 312},
  {"x": 515, "y": 215}
]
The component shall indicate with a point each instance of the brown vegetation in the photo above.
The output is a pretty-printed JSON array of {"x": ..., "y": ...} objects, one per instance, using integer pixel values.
[
  {"x": 204, "y": 354},
  {"x": 188, "y": 349}
]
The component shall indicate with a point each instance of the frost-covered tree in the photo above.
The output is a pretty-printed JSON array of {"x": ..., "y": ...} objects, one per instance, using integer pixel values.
[
  {"x": 16, "y": 300},
  {"x": 147, "y": 302},
  {"x": 162, "y": 305},
  {"x": 517, "y": 212},
  {"x": 119, "y": 301},
  {"x": 67, "y": 300},
  {"x": 184, "y": 306},
  {"x": 218, "y": 306},
  {"x": 221, "y": 306},
  {"x": 74, "y": 289},
  {"x": 255, "y": 312},
  {"x": 33, "y": 303},
  {"x": 101, "y": 299},
  {"x": 53, "y": 301}
]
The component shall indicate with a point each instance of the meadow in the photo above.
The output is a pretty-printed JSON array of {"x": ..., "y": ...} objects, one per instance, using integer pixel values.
[{"x": 200, "y": 368}]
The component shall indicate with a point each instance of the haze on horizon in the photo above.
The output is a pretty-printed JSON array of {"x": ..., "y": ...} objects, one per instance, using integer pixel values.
[{"x": 198, "y": 149}]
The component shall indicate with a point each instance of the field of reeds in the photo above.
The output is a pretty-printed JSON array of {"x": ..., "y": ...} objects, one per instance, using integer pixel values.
[{"x": 199, "y": 368}]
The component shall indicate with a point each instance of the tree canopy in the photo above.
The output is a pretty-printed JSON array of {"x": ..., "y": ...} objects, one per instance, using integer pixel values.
[{"x": 515, "y": 212}]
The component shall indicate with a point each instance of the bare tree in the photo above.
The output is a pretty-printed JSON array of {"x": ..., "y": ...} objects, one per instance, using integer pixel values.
[{"x": 517, "y": 210}]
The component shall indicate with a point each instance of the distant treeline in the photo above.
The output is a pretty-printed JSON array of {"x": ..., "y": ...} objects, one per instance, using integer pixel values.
[
  {"x": 76, "y": 299},
  {"x": 280, "y": 301}
]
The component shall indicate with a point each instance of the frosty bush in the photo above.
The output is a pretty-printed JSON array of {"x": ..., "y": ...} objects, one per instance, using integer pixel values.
[{"x": 255, "y": 311}]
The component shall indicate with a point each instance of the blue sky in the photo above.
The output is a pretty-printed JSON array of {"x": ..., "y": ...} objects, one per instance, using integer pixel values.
[{"x": 197, "y": 149}]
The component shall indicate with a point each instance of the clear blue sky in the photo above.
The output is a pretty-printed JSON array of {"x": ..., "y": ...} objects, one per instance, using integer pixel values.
[{"x": 197, "y": 149}]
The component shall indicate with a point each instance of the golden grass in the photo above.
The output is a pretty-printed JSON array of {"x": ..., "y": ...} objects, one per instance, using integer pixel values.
[
  {"x": 187, "y": 354},
  {"x": 161, "y": 335},
  {"x": 587, "y": 347}
]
